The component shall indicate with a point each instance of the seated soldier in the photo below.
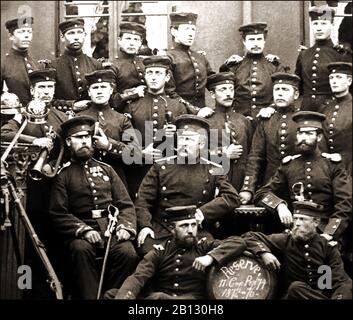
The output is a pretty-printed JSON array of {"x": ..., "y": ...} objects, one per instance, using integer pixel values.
[
  {"x": 177, "y": 269},
  {"x": 187, "y": 178},
  {"x": 82, "y": 193},
  {"x": 303, "y": 254}
]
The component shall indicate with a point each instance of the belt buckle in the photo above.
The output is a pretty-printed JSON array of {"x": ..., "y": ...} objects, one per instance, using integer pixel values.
[{"x": 96, "y": 214}]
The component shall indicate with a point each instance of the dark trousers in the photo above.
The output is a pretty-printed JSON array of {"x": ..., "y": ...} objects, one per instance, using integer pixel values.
[
  {"x": 299, "y": 290},
  {"x": 122, "y": 261}
]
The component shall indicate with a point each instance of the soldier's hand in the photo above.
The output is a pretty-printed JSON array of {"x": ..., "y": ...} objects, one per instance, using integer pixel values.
[
  {"x": 234, "y": 151},
  {"x": 201, "y": 263},
  {"x": 80, "y": 105},
  {"x": 170, "y": 130},
  {"x": 271, "y": 57},
  {"x": 143, "y": 234},
  {"x": 270, "y": 261},
  {"x": 122, "y": 234},
  {"x": 44, "y": 142},
  {"x": 234, "y": 58},
  {"x": 101, "y": 141},
  {"x": 199, "y": 216},
  {"x": 205, "y": 112},
  {"x": 151, "y": 152},
  {"x": 140, "y": 90},
  {"x": 285, "y": 215},
  {"x": 92, "y": 236},
  {"x": 266, "y": 112},
  {"x": 245, "y": 197}
]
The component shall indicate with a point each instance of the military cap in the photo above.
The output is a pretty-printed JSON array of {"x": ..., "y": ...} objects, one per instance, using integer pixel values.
[
  {"x": 179, "y": 213},
  {"x": 71, "y": 24},
  {"x": 219, "y": 78},
  {"x": 23, "y": 22},
  {"x": 157, "y": 61},
  {"x": 321, "y": 13},
  {"x": 287, "y": 78},
  {"x": 191, "y": 122},
  {"x": 340, "y": 67},
  {"x": 307, "y": 208},
  {"x": 178, "y": 18},
  {"x": 132, "y": 27},
  {"x": 77, "y": 126},
  {"x": 100, "y": 76},
  {"x": 309, "y": 119},
  {"x": 42, "y": 75},
  {"x": 253, "y": 28}
]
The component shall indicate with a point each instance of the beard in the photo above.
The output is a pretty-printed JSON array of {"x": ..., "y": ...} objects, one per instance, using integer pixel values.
[
  {"x": 186, "y": 242},
  {"x": 83, "y": 154},
  {"x": 305, "y": 149},
  {"x": 300, "y": 236}
]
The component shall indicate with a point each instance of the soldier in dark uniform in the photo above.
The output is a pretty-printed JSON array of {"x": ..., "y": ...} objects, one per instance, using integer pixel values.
[
  {"x": 338, "y": 111},
  {"x": 115, "y": 137},
  {"x": 73, "y": 64},
  {"x": 312, "y": 63},
  {"x": 253, "y": 85},
  {"x": 151, "y": 114},
  {"x": 234, "y": 129},
  {"x": 311, "y": 175},
  {"x": 17, "y": 64},
  {"x": 184, "y": 179},
  {"x": 176, "y": 270},
  {"x": 83, "y": 192},
  {"x": 302, "y": 252},
  {"x": 128, "y": 67},
  {"x": 190, "y": 68},
  {"x": 274, "y": 138}
]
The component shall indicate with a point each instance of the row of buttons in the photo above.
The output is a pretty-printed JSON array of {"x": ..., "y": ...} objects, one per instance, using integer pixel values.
[{"x": 314, "y": 74}]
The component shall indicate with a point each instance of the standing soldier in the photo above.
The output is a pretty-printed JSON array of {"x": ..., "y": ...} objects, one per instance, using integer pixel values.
[
  {"x": 73, "y": 64},
  {"x": 312, "y": 63},
  {"x": 18, "y": 64},
  {"x": 150, "y": 114},
  {"x": 234, "y": 129},
  {"x": 274, "y": 138},
  {"x": 129, "y": 68},
  {"x": 114, "y": 138},
  {"x": 338, "y": 111},
  {"x": 84, "y": 192},
  {"x": 311, "y": 175},
  {"x": 253, "y": 85},
  {"x": 190, "y": 68}
]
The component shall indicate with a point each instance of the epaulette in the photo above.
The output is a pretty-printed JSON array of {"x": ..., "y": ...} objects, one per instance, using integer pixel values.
[
  {"x": 287, "y": 159},
  {"x": 334, "y": 157},
  {"x": 340, "y": 48},
  {"x": 202, "y": 52},
  {"x": 65, "y": 165},
  {"x": 302, "y": 48},
  {"x": 158, "y": 247}
]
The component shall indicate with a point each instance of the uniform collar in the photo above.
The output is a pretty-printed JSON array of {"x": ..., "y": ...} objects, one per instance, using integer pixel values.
[
  {"x": 324, "y": 43},
  {"x": 315, "y": 155},
  {"x": 180, "y": 46},
  {"x": 22, "y": 53},
  {"x": 254, "y": 55},
  {"x": 285, "y": 109},
  {"x": 221, "y": 109},
  {"x": 73, "y": 53},
  {"x": 99, "y": 107},
  {"x": 347, "y": 97},
  {"x": 154, "y": 96},
  {"x": 124, "y": 55}
]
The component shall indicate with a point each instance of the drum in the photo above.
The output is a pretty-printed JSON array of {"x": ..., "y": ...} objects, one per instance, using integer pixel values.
[{"x": 244, "y": 277}]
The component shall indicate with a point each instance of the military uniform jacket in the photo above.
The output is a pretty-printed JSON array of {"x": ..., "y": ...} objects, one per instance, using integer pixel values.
[
  {"x": 325, "y": 182},
  {"x": 117, "y": 128},
  {"x": 301, "y": 260},
  {"x": 152, "y": 108},
  {"x": 234, "y": 128},
  {"x": 14, "y": 70},
  {"x": 170, "y": 270},
  {"x": 129, "y": 73},
  {"x": 168, "y": 185},
  {"x": 81, "y": 187},
  {"x": 338, "y": 128},
  {"x": 253, "y": 83},
  {"x": 71, "y": 68},
  {"x": 190, "y": 70},
  {"x": 274, "y": 138},
  {"x": 311, "y": 67}
]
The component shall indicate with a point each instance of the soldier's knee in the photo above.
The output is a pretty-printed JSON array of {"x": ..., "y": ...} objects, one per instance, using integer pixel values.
[
  {"x": 295, "y": 288},
  {"x": 127, "y": 250},
  {"x": 81, "y": 247}
]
